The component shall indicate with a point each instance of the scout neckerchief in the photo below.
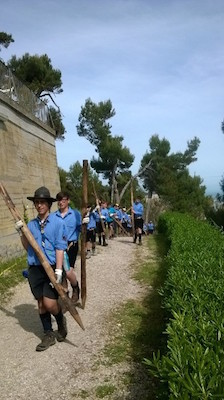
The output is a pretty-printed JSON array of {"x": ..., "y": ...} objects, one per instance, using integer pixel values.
[{"x": 42, "y": 224}]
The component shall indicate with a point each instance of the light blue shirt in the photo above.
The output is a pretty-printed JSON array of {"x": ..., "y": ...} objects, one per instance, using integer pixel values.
[
  {"x": 124, "y": 216},
  {"x": 138, "y": 209},
  {"x": 73, "y": 222},
  {"x": 54, "y": 237},
  {"x": 105, "y": 213},
  {"x": 97, "y": 216},
  {"x": 92, "y": 220},
  {"x": 118, "y": 214},
  {"x": 112, "y": 212}
]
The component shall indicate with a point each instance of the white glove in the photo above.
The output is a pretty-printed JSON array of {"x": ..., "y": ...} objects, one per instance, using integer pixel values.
[
  {"x": 111, "y": 215},
  {"x": 18, "y": 225},
  {"x": 102, "y": 217},
  {"x": 85, "y": 220},
  {"x": 58, "y": 275}
]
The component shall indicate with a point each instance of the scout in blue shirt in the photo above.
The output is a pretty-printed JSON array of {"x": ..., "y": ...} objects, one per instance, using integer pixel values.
[
  {"x": 110, "y": 220},
  {"x": 124, "y": 218},
  {"x": 101, "y": 223},
  {"x": 50, "y": 233},
  {"x": 72, "y": 220},
  {"x": 138, "y": 210},
  {"x": 151, "y": 227},
  {"x": 118, "y": 217},
  {"x": 91, "y": 231}
]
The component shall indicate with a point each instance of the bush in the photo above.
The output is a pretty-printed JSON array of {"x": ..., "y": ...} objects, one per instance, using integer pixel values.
[{"x": 193, "y": 296}]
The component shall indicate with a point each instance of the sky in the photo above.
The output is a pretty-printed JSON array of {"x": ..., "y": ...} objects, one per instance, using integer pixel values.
[{"x": 160, "y": 62}]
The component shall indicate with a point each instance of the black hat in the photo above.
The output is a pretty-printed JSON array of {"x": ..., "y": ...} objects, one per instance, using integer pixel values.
[{"x": 42, "y": 193}]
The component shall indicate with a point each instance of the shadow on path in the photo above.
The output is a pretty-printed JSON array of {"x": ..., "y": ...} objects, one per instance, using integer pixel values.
[{"x": 27, "y": 317}]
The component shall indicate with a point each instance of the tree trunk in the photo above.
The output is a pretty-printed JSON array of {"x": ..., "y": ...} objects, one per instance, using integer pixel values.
[
  {"x": 147, "y": 209},
  {"x": 132, "y": 214},
  {"x": 134, "y": 177}
]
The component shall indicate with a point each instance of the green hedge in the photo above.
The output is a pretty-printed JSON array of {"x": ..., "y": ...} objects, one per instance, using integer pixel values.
[{"x": 193, "y": 296}]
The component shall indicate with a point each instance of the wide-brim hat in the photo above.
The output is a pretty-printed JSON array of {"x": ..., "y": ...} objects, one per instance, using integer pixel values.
[{"x": 41, "y": 193}]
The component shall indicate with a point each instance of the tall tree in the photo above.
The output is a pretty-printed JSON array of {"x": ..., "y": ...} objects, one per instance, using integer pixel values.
[
  {"x": 38, "y": 74},
  {"x": 170, "y": 178},
  {"x": 5, "y": 40},
  {"x": 113, "y": 158}
]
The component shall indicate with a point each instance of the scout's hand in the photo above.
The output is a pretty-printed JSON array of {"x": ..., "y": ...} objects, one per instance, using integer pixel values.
[
  {"x": 85, "y": 220},
  {"x": 18, "y": 225},
  {"x": 58, "y": 275}
]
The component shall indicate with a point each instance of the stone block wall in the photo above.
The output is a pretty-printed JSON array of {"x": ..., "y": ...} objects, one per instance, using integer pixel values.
[{"x": 27, "y": 161}]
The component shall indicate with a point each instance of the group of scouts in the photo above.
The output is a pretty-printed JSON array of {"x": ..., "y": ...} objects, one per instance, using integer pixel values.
[
  {"x": 57, "y": 234},
  {"x": 113, "y": 220}
]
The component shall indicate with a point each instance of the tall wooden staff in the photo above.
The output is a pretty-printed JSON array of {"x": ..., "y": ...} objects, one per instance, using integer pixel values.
[
  {"x": 120, "y": 225},
  {"x": 132, "y": 213},
  {"x": 41, "y": 256},
  {"x": 84, "y": 229}
]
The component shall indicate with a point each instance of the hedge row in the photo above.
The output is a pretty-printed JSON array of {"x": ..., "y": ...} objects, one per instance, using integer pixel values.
[{"x": 193, "y": 296}]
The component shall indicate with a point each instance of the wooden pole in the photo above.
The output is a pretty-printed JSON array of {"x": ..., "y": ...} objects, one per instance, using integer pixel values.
[
  {"x": 43, "y": 260},
  {"x": 120, "y": 225},
  {"x": 84, "y": 229},
  {"x": 132, "y": 213}
]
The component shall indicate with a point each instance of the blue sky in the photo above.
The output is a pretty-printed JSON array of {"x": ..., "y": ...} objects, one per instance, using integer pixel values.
[{"x": 160, "y": 62}]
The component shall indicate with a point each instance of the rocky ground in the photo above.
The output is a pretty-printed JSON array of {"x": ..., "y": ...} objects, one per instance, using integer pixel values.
[{"x": 68, "y": 370}]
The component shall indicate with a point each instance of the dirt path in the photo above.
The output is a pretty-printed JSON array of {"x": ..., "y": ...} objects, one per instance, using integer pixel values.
[{"x": 65, "y": 370}]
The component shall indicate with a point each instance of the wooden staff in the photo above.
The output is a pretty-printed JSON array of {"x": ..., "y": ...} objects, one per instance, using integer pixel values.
[
  {"x": 132, "y": 213},
  {"x": 98, "y": 204},
  {"x": 120, "y": 225},
  {"x": 84, "y": 229},
  {"x": 42, "y": 258}
]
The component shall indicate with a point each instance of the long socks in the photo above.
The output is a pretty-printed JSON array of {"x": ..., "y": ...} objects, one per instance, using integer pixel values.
[
  {"x": 59, "y": 319},
  {"x": 46, "y": 321}
]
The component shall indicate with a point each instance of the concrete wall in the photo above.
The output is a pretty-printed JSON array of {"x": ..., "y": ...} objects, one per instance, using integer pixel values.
[{"x": 27, "y": 161}]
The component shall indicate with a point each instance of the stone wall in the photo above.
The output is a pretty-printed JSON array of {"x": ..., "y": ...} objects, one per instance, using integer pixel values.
[{"x": 27, "y": 161}]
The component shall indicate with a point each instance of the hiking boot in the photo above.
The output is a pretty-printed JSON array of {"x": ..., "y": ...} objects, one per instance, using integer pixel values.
[
  {"x": 93, "y": 252},
  {"x": 140, "y": 243},
  {"x": 62, "y": 331},
  {"x": 75, "y": 293},
  {"x": 47, "y": 341}
]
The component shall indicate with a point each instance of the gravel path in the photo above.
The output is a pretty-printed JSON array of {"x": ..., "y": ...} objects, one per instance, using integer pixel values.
[{"x": 66, "y": 370}]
